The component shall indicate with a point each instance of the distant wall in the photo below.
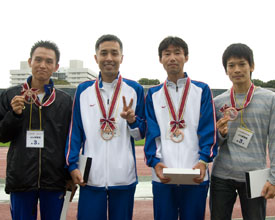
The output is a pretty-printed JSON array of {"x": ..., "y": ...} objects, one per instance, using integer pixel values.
[{"x": 71, "y": 91}]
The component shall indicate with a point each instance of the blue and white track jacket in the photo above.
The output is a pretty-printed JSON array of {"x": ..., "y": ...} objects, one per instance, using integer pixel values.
[
  {"x": 113, "y": 161},
  {"x": 199, "y": 134}
]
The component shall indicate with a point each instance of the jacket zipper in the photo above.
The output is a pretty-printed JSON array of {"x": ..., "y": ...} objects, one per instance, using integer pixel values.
[
  {"x": 107, "y": 170},
  {"x": 39, "y": 174},
  {"x": 40, "y": 154}
]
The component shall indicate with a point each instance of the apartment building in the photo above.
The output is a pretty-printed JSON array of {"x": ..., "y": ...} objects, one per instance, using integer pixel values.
[
  {"x": 20, "y": 76},
  {"x": 74, "y": 74}
]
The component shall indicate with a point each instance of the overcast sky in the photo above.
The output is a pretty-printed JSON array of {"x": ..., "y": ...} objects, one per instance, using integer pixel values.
[{"x": 208, "y": 27}]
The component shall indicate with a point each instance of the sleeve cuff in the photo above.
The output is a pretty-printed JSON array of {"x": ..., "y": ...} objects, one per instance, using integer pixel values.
[
  {"x": 271, "y": 180},
  {"x": 155, "y": 162},
  {"x": 205, "y": 159},
  {"x": 133, "y": 125},
  {"x": 221, "y": 137},
  {"x": 17, "y": 116},
  {"x": 72, "y": 167}
]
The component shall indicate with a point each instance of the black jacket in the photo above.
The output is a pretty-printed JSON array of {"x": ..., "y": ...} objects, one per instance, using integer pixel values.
[{"x": 34, "y": 168}]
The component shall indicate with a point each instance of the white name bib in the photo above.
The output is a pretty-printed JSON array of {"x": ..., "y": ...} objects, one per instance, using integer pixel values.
[
  {"x": 35, "y": 139},
  {"x": 242, "y": 137}
]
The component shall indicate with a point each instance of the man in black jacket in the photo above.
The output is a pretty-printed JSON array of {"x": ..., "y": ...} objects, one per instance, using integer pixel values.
[{"x": 35, "y": 118}]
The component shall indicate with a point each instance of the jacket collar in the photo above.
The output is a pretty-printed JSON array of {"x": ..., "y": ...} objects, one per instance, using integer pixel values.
[
  {"x": 48, "y": 88},
  {"x": 100, "y": 84},
  {"x": 180, "y": 82}
]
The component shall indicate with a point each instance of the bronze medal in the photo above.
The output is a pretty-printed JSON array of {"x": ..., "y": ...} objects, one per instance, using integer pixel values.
[
  {"x": 231, "y": 112},
  {"x": 107, "y": 133},
  {"x": 177, "y": 136}
]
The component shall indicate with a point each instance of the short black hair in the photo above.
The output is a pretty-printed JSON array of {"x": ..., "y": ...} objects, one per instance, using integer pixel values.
[
  {"x": 48, "y": 45},
  {"x": 238, "y": 50},
  {"x": 175, "y": 41},
  {"x": 108, "y": 37}
]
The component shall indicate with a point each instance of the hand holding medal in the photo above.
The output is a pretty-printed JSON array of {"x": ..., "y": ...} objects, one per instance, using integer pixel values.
[
  {"x": 229, "y": 114},
  {"x": 17, "y": 104},
  {"x": 222, "y": 126}
]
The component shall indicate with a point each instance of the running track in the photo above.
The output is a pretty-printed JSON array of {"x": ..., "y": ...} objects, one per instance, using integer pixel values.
[{"x": 143, "y": 209}]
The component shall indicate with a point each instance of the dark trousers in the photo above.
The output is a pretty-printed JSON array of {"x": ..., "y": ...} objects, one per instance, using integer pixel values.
[
  {"x": 184, "y": 202},
  {"x": 223, "y": 194},
  {"x": 24, "y": 204},
  {"x": 102, "y": 204}
]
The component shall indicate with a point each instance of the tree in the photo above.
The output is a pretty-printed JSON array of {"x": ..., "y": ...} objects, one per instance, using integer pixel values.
[
  {"x": 60, "y": 82},
  {"x": 270, "y": 84},
  {"x": 143, "y": 81},
  {"x": 258, "y": 82},
  {"x": 154, "y": 82},
  {"x": 146, "y": 81}
]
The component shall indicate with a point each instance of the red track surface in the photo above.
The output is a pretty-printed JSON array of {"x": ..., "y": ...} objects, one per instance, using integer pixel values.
[{"x": 143, "y": 209}]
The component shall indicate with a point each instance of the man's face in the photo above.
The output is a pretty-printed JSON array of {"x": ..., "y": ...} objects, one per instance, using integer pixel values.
[
  {"x": 43, "y": 64},
  {"x": 109, "y": 57},
  {"x": 173, "y": 60},
  {"x": 238, "y": 70}
]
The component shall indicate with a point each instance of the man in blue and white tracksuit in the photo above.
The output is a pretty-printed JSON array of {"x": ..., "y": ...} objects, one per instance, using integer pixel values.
[
  {"x": 181, "y": 133},
  {"x": 108, "y": 114}
]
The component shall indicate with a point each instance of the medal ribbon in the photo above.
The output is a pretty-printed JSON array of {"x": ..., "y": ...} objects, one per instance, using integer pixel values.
[
  {"x": 108, "y": 121},
  {"x": 177, "y": 122},
  {"x": 248, "y": 99},
  {"x": 29, "y": 93},
  {"x": 48, "y": 102},
  {"x": 26, "y": 89},
  {"x": 222, "y": 109}
]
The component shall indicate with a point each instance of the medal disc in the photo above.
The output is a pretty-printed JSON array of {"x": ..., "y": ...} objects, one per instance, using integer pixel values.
[
  {"x": 30, "y": 96},
  {"x": 107, "y": 133},
  {"x": 232, "y": 113},
  {"x": 177, "y": 136}
]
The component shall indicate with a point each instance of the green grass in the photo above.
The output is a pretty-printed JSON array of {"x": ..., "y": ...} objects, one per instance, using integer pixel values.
[
  {"x": 137, "y": 143},
  {"x": 4, "y": 144},
  {"x": 140, "y": 142},
  {"x": 144, "y": 178}
]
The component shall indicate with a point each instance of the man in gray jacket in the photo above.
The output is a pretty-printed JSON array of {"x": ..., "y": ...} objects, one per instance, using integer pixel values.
[{"x": 245, "y": 121}]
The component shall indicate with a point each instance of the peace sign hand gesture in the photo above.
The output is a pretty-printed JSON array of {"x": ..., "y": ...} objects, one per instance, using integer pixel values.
[{"x": 127, "y": 112}]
